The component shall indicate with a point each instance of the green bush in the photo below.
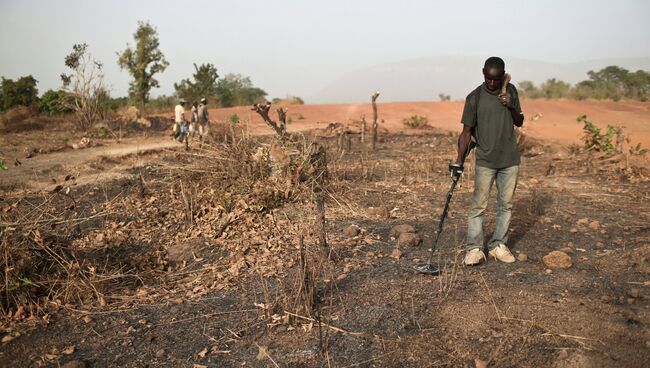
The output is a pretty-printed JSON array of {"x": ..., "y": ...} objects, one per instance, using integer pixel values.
[
  {"x": 238, "y": 90},
  {"x": 22, "y": 92},
  {"x": 612, "y": 83},
  {"x": 592, "y": 137},
  {"x": 55, "y": 103}
]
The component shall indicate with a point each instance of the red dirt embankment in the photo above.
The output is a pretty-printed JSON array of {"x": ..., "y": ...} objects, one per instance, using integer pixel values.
[{"x": 557, "y": 122}]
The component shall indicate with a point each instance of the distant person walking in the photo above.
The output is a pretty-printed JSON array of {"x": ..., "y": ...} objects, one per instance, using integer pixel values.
[
  {"x": 203, "y": 119},
  {"x": 194, "y": 117},
  {"x": 179, "y": 119},
  {"x": 490, "y": 116}
]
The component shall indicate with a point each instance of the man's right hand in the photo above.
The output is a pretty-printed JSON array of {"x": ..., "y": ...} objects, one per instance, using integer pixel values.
[{"x": 456, "y": 170}]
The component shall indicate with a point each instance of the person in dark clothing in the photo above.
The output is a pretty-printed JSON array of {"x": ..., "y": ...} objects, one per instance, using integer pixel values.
[{"x": 490, "y": 117}]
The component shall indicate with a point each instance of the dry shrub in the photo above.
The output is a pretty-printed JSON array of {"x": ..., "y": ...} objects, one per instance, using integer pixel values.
[
  {"x": 39, "y": 264},
  {"x": 20, "y": 118},
  {"x": 417, "y": 122},
  {"x": 129, "y": 114},
  {"x": 258, "y": 176},
  {"x": 55, "y": 252}
]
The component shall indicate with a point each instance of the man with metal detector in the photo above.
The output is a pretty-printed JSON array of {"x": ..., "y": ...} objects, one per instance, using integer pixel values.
[{"x": 491, "y": 111}]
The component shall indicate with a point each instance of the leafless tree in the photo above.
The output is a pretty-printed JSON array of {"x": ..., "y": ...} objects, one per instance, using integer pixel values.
[{"x": 84, "y": 86}]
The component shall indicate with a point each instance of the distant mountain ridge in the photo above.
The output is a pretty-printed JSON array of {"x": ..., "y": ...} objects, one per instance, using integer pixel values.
[{"x": 424, "y": 78}]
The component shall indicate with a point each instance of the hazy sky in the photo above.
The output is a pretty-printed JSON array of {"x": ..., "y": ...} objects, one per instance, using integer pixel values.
[{"x": 298, "y": 47}]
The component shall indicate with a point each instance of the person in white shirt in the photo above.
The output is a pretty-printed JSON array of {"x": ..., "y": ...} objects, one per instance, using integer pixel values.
[{"x": 179, "y": 118}]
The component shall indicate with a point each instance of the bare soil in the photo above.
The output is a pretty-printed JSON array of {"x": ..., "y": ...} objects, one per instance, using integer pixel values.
[{"x": 205, "y": 298}]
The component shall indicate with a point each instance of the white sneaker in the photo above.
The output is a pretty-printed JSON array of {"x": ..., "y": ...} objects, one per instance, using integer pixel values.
[
  {"x": 474, "y": 257},
  {"x": 502, "y": 253}
]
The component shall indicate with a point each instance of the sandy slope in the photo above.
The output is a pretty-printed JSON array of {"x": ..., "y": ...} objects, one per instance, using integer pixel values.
[{"x": 558, "y": 122}]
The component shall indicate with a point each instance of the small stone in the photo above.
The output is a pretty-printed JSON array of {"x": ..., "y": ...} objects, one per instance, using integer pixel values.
[
  {"x": 351, "y": 231},
  {"x": 160, "y": 353},
  {"x": 396, "y": 253},
  {"x": 573, "y": 230},
  {"x": 600, "y": 245},
  {"x": 7, "y": 338},
  {"x": 630, "y": 301},
  {"x": 557, "y": 259},
  {"x": 87, "y": 319},
  {"x": 522, "y": 257},
  {"x": 548, "y": 271},
  {"x": 409, "y": 240},
  {"x": 633, "y": 293},
  {"x": 594, "y": 225},
  {"x": 582, "y": 221},
  {"x": 396, "y": 231},
  {"x": 563, "y": 354},
  {"x": 605, "y": 298}
]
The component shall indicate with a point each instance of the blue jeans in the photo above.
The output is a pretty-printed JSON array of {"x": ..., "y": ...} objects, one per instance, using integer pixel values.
[{"x": 506, "y": 180}]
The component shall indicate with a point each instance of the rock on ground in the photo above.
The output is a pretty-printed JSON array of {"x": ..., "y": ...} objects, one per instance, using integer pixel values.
[
  {"x": 408, "y": 240},
  {"x": 351, "y": 231},
  {"x": 557, "y": 259}
]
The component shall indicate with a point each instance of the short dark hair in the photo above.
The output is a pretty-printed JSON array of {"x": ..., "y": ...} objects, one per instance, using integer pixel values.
[{"x": 495, "y": 62}]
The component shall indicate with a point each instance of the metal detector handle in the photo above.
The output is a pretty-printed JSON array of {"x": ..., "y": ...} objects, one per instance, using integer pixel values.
[
  {"x": 456, "y": 170},
  {"x": 470, "y": 147}
]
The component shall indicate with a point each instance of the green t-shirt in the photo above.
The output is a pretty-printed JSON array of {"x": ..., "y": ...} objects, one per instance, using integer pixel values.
[{"x": 496, "y": 145}]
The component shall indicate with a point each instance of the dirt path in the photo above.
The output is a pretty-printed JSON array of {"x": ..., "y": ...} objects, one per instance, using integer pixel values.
[{"x": 38, "y": 172}]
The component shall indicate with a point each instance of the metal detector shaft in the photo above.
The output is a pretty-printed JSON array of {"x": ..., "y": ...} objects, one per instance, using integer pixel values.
[
  {"x": 428, "y": 268},
  {"x": 442, "y": 218}
]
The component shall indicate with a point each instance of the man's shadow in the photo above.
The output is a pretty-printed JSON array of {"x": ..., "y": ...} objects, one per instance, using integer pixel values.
[{"x": 529, "y": 210}]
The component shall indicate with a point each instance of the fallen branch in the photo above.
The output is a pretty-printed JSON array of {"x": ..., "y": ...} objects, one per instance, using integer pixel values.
[{"x": 323, "y": 324}]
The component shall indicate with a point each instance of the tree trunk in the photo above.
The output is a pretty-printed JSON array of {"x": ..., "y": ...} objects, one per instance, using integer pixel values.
[{"x": 374, "y": 119}]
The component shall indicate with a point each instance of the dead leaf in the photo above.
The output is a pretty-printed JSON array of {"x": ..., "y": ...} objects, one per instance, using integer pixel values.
[
  {"x": 87, "y": 319},
  {"x": 202, "y": 353},
  {"x": 69, "y": 350},
  {"x": 308, "y": 326},
  {"x": 7, "y": 338},
  {"x": 262, "y": 353},
  {"x": 51, "y": 356}
]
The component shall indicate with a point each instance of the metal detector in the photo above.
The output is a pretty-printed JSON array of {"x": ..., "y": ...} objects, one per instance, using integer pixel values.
[{"x": 428, "y": 268}]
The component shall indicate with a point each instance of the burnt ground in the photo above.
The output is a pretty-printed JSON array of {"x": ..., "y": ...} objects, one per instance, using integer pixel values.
[{"x": 375, "y": 310}]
